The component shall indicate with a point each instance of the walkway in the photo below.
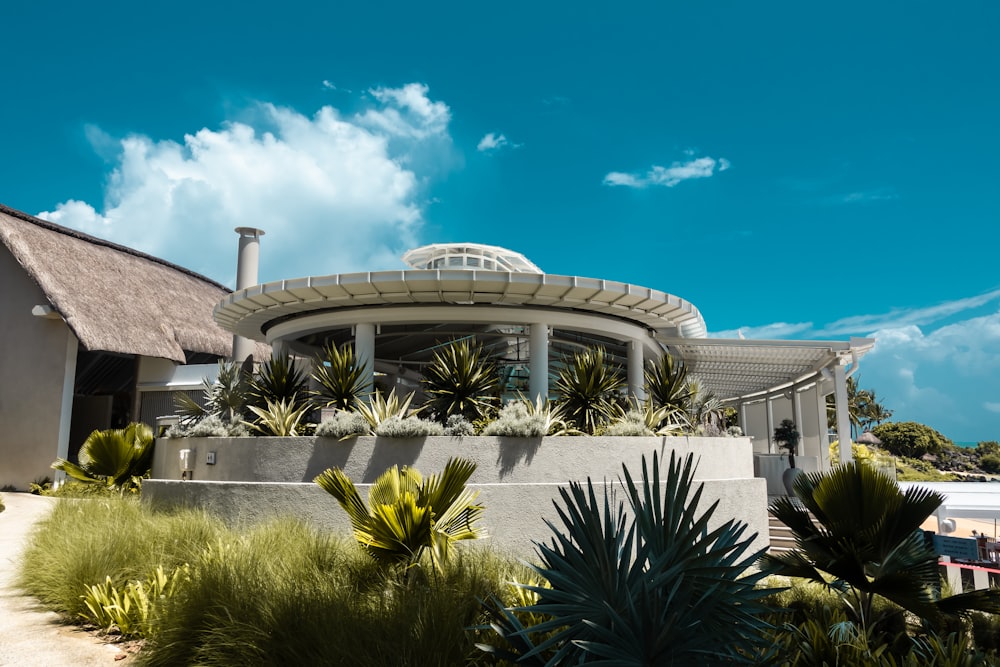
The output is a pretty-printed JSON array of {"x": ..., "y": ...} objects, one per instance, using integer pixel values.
[{"x": 30, "y": 636}]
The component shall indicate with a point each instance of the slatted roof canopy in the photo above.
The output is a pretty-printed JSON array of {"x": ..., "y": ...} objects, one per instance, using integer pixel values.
[
  {"x": 732, "y": 368},
  {"x": 249, "y": 312}
]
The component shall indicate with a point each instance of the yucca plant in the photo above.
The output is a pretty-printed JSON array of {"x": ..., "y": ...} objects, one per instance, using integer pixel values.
[
  {"x": 278, "y": 379},
  {"x": 408, "y": 515},
  {"x": 378, "y": 409},
  {"x": 281, "y": 418},
  {"x": 117, "y": 458},
  {"x": 865, "y": 543},
  {"x": 667, "y": 383},
  {"x": 588, "y": 389},
  {"x": 654, "y": 586},
  {"x": 341, "y": 377},
  {"x": 461, "y": 380}
]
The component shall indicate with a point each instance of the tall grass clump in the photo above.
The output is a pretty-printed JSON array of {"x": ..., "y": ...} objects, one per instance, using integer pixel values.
[
  {"x": 82, "y": 542},
  {"x": 286, "y": 594}
]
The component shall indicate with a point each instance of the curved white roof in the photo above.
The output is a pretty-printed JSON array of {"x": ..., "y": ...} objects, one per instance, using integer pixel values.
[
  {"x": 250, "y": 312},
  {"x": 470, "y": 256}
]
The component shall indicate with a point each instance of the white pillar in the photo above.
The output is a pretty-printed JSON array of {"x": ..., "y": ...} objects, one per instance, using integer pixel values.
[
  {"x": 824, "y": 437},
  {"x": 538, "y": 361},
  {"x": 635, "y": 379},
  {"x": 770, "y": 424},
  {"x": 797, "y": 411},
  {"x": 364, "y": 351},
  {"x": 247, "y": 262},
  {"x": 843, "y": 416},
  {"x": 743, "y": 418},
  {"x": 66, "y": 405}
]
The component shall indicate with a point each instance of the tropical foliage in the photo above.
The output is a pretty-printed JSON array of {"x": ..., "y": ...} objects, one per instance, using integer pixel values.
[
  {"x": 787, "y": 437},
  {"x": 864, "y": 409},
  {"x": 281, "y": 418},
  {"x": 341, "y": 377},
  {"x": 865, "y": 543},
  {"x": 408, "y": 515},
  {"x": 116, "y": 458},
  {"x": 588, "y": 387},
  {"x": 378, "y": 409},
  {"x": 278, "y": 379},
  {"x": 461, "y": 380},
  {"x": 225, "y": 397},
  {"x": 524, "y": 418},
  {"x": 667, "y": 383},
  {"x": 911, "y": 439},
  {"x": 652, "y": 586}
]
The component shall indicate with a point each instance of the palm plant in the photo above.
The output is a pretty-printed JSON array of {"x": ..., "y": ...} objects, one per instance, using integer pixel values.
[
  {"x": 226, "y": 397},
  {"x": 651, "y": 586},
  {"x": 865, "y": 543},
  {"x": 588, "y": 389},
  {"x": 408, "y": 515},
  {"x": 278, "y": 379},
  {"x": 118, "y": 458},
  {"x": 341, "y": 377},
  {"x": 705, "y": 409},
  {"x": 461, "y": 380},
  {"x": 378, "y": 409}
]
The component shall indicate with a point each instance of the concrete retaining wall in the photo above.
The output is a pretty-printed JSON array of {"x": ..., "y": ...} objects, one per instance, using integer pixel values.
[{"x": 254, "y": 479}]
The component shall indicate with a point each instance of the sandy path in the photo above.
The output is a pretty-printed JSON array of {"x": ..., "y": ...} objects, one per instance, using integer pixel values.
[{"x": 30, "y": 636}]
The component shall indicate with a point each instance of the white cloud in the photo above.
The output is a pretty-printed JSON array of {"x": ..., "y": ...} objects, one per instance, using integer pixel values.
[
  {"x": 491, "y": 142},
  {"x": 900, "y": 317},
  {"x": 329, "y": 85},
  {"x": 332, "y": 193},
  {"x": 775, "y": 331},
  {"x": 702, "y": 167}
]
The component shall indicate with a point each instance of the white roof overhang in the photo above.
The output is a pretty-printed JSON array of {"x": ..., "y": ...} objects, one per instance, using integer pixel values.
[
  {"x": 252, "y": 311},
  {"x": 747, "y": 369}
]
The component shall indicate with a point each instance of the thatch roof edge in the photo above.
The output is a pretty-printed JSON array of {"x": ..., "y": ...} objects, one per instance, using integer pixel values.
[{"x": 59, "y": 229}]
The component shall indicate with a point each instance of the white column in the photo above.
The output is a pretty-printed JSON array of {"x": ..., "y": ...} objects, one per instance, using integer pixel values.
[
  {"x": 770, "y": 424},
  {"x": 743, "y": 417},
  {"x": 797, "y": 411},
  {"x": 538, "y": 361},
  {"x": 247, "y": 262},
  {"x": 364, "y": 351},
  {"x": 824, "y": 438},
  {"x": 66, "y": 405},
  {"x": 635, "y": 379},
  {"x": 843, "y": 416}
]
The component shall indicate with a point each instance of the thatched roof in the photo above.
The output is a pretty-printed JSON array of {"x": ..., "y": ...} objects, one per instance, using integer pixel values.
[{"x": 116, "y": 299}]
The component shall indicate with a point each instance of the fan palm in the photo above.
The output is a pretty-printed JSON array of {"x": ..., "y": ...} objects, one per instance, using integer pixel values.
[
  {"x": 588, "y": 389},
  {"x": 653, "y": 586},
  {"x": 461, "y": 380},
  {"x": 407, "y": 514},
  {"x": 118, "y": 458},
  {"x": 341, "y": 377},
  {"x": 865, "y": 542}
]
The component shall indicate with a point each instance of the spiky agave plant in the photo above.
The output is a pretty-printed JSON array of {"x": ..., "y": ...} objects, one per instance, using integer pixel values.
[
  {"x": 341, "y": 377},
  {"x": 588, "y": 389},
  {"x": 281, "y": 418},
  {"x": 667, "y": 383},
  {"x": 118, "y": 458},
  {"x": 407, "y": 514},
  {"x": 461, "y": 380},
  {"x": 378, "y": 409},
  {"x": 654, "y": 586},
  {"x": 278, "y": 379}
]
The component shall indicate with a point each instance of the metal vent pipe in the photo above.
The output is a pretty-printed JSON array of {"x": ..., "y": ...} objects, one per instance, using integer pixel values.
[{"x": 247, "y": 263}]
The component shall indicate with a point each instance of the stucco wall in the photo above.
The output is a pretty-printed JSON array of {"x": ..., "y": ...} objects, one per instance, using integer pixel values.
[
  {"x": 517, "y": 478},
  {"x": 32, "y": 368}
]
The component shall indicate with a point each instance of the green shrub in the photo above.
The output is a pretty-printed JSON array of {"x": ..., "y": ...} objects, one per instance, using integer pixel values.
[
  {"x": 526, "y": 419},
  {"x": 457, "y": 426},
  {"x": 410, "y": 427},
  {"x": 83, "y": 541},
  {"x": 630, "y": 424},
  {"x": 2, "y": 507},
  {"x": 911, "y": 439},
  {"x": 990, "y": 463},
  {"x": 343, "y": 425}
]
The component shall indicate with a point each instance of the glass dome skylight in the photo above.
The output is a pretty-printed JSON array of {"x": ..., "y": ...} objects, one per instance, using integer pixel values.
[{"x": 469, "y": 256}]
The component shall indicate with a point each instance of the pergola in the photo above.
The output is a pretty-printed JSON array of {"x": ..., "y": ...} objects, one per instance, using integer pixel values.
[{"x": 530, "y": 320}]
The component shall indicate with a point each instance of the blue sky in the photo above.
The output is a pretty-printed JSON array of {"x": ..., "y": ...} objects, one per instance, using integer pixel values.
[{"x": 796, "y": 170}]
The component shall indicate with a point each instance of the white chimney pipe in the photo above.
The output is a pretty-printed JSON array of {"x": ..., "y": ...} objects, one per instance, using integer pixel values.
[{"x": 246, "y": 275}]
